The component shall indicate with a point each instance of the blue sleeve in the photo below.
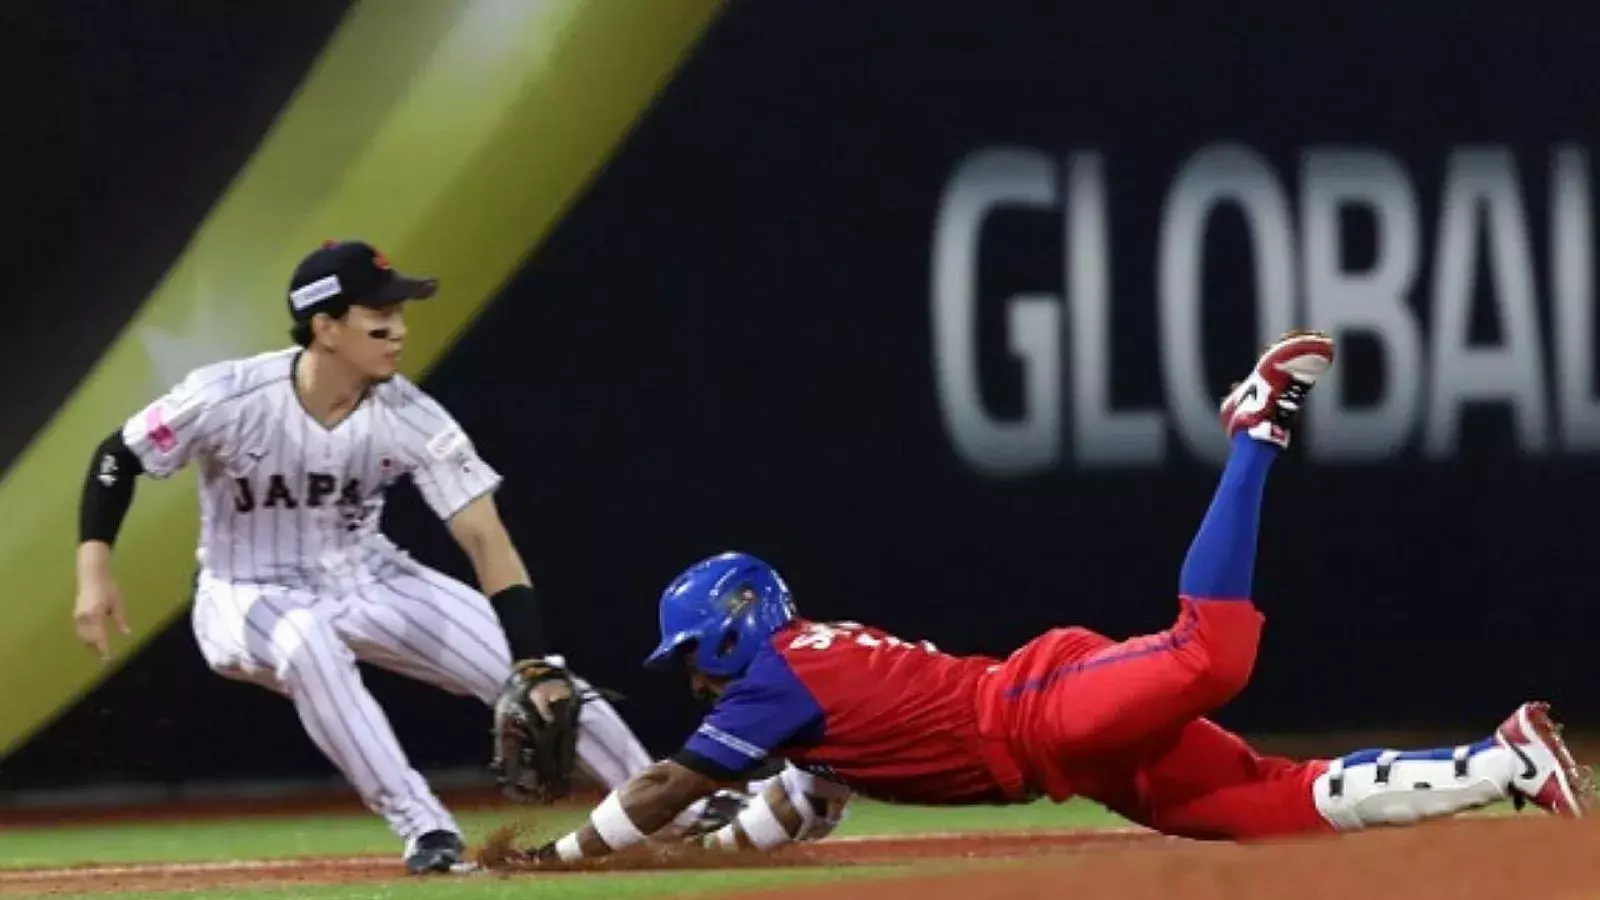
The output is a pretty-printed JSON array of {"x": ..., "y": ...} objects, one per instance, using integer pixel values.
[{"x": 762, "y": 711}]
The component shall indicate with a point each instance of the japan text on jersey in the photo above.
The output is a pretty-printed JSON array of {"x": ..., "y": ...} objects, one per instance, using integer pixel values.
[{"x": 285, "y": 498}]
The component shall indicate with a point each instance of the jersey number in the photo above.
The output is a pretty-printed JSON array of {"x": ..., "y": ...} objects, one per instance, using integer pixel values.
[{"x": 818, "y": 636}]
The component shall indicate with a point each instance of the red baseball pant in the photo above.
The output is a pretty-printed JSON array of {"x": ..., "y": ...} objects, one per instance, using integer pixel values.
[{"x": 1123, "y": 724}]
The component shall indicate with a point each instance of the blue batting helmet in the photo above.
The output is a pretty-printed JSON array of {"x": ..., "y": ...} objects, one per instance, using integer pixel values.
[{"x": 727, "y": 605}]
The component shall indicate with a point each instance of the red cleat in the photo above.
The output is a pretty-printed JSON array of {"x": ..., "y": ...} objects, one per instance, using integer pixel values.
[
  {"x": 1547, "y": 776},
  {"x": 1266, "y": 404}
]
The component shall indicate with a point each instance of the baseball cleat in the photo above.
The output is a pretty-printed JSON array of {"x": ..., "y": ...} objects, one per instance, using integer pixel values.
[
  {"x": 436, "y": 851},
  {"x": 1266, "y": 404},
  {"x": 1547, "y": 776}
]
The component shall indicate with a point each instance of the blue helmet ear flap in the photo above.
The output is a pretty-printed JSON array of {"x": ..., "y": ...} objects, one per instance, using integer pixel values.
[
  {"x": 726, "y": 649},
  {"x": 728, "y": 643}
]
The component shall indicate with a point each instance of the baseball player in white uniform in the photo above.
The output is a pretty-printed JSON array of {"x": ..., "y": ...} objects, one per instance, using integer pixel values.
[{"x": 295, "y": 450}]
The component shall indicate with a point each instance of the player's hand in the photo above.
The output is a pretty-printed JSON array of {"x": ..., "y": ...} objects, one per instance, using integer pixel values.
[
  {"x": 99, "y": 602},
  {"x": 536, "y": 731},
  {"x": 545, "y": 693}
]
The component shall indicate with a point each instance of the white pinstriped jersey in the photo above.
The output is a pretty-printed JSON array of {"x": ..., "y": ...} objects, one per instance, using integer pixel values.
[{"x": 283, "y": 498}]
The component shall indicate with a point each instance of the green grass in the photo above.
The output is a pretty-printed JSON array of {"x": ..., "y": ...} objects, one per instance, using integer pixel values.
[
  {"x": 361, "y": 834},
  {"x": 867, "y": 817}
]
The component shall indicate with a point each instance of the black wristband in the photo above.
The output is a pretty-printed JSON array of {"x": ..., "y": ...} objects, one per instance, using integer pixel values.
[
  {"x": 518, "y": 609},
  {"x": 107, "y": 490}
]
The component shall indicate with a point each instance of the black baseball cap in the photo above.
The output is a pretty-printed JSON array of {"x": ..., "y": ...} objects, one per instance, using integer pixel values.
[{"x": 343, "y": 273}]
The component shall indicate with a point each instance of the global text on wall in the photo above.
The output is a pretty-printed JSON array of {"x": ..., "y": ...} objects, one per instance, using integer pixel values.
[{"x": 1342, "y": 241}]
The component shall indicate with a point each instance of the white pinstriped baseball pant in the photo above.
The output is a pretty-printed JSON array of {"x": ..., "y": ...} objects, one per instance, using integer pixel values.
[{"x": 404, "y": 617}]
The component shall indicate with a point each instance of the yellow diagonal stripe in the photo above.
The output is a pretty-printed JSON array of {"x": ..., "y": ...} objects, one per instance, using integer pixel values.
[{"x": 452, "y": 135}]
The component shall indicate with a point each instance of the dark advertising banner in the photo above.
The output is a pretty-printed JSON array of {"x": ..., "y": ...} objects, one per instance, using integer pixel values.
[{"x": 931, "y": 305}]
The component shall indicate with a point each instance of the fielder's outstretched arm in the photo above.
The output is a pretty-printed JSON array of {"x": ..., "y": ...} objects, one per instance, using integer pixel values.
[
  {"x": 459, "y": 485},
  {"x": 503, "y": 578},
  {"x": 478, "y": 529}
]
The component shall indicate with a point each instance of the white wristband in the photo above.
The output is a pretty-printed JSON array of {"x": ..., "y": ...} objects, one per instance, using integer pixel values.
[
  {"x": 760, "y": 824},
  {"x": 567, "y": 848},
  {"x": 613, "y": 824}
]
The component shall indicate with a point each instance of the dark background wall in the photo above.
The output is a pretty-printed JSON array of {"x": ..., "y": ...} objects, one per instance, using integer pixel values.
[{"x": 731, "y": 342}]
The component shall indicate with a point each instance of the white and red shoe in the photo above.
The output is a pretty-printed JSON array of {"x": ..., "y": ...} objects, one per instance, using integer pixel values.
[
  {"x": 1265, "y": 404},
  {"x": 1547, "y": 776}
]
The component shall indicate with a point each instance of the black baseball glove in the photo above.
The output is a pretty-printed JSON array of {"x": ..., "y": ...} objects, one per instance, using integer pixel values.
[{"x": 536, "y": 730}]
